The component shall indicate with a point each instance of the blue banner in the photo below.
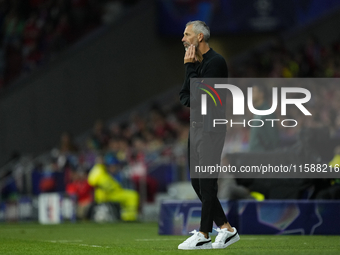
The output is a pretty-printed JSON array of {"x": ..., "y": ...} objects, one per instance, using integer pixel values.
[
  {"x": 272, "y": 217},
  {"x": 235, "y": 16}
]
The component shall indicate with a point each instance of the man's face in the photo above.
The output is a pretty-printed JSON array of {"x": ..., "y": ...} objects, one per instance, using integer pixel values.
[{"x": 189, "y": 37}]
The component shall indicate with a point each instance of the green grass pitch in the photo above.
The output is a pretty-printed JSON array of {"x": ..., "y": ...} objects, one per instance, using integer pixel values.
[{"x": 142, "y": 238}]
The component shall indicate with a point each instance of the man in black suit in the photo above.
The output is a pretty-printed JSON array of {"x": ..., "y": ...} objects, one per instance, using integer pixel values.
[{"x": 205, "y": 142}]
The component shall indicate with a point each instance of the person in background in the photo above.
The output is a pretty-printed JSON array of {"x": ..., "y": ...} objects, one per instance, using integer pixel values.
[
  {"x": 66, "y": 144},
  {"x": 265, "y": 138},
  {"x": 100, "y": 136},
  {"x": 107, "y": 189},
  {"x": 333, "y": 192},
  {"x": 262, "y": 139},
  {"x": 80, "y": 188}
]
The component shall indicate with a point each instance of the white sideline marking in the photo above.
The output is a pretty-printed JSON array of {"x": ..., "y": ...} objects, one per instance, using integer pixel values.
[
  {"x": 76, "y": 242},
  {"x": 65, "y": 241},
  {"x": 95, "y": 246}
]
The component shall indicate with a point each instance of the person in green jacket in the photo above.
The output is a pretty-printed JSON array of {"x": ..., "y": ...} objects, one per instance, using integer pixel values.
[{"x": 107, "y": 189}]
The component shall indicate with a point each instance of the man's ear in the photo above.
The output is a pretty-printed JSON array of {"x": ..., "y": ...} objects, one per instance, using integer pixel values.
[{"x": 200, "y": 37}]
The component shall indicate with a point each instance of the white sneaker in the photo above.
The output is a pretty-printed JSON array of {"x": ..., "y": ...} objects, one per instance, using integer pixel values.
[
  {"x": 196, "y": 241},
  {"x": 225, "y": 238}
]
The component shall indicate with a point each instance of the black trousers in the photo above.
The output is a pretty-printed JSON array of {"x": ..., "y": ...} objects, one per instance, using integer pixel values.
[{"x": 205, "y": 149}]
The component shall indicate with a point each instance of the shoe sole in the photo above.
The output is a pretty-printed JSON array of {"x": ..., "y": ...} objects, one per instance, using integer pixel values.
[
  {"x": 203, "y": 247},
  {"x": 233, "y": 240}
]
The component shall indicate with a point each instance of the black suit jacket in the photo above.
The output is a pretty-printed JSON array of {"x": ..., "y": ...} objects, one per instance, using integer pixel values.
[{"x": 212, "y": 66}]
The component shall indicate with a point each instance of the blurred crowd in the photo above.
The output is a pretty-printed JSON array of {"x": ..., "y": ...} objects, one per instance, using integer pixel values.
[
  {"x": 34, "y": 31},
  {"x": 311, "y": 59},
  {"x": 129, "y": 151}
]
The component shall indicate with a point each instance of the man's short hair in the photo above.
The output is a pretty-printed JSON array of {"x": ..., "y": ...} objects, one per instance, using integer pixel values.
[{"x": 200, "y": 27}]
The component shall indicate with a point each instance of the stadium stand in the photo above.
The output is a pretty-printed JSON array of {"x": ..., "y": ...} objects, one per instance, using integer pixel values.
[
  {"x": 148, "y": 145},
  {"x": 35, "y": 31}
]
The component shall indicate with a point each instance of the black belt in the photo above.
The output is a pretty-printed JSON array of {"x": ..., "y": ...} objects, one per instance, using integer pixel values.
[{"x": 195, "y": 124}]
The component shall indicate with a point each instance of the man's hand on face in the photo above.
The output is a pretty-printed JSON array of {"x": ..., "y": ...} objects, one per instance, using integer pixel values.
[
  {"x": 198, "y": 56},
  {"x": 190, "y": 55}
]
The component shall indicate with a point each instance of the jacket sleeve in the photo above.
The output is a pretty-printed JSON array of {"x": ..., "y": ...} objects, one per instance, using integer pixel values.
[
  {"x": 216, "y": 68},
  {"x": 184, "y": 94}
]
